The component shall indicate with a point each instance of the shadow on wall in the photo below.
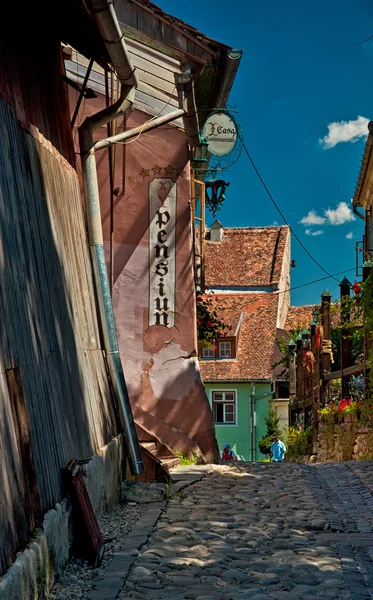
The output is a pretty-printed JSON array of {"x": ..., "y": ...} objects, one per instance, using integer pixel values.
[{"x": 55, "y": 403}]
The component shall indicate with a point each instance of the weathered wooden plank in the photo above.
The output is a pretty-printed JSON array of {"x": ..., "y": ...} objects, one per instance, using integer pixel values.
[
  {"x": 353, "y": 370},
  {"x": 31, "y": 500}
]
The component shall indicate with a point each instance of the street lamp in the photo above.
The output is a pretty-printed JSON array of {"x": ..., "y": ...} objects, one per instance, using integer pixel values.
[
  {"x": 200, "y": 153},
  {"x": 315, "y": 320},
  {"x": 305, "y": 337},
  {"x": 292, "y": 345},
  {"x": 366, "y": 268},
  {"x": 326, "y": 294},
  {"x": 215, "y": 194}
]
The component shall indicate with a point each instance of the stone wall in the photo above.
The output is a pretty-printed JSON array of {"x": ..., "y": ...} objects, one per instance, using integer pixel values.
[
  {"x": 345, "y": 441},
  {"x": 35, "y": 569}
]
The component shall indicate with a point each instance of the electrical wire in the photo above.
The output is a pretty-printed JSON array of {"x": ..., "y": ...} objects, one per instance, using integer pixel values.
[
  {"x": 149, "y": 121},
  {"x": 297, "y": 287},
  {"x": 281, "y": 213}
]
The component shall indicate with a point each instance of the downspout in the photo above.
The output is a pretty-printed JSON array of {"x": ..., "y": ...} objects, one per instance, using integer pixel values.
[
  {"x": 356, "y": 212},
  {"x": 252, "y": 428},
  {"x": 253, "y": 398},
  {"x": 107, "y": 23}
]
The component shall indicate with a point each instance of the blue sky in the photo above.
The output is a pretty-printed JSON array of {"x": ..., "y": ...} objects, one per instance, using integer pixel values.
[{"x": 300, "y": 73}]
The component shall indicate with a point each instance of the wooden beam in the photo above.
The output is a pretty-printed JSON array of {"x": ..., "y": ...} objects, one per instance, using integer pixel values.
[{"x": 348, "y": 371}]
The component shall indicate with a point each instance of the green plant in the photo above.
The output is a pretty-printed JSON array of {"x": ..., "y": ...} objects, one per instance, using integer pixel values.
[
  {"x": 366, "y": 412},
  {"x": 187, "y": 460},
  {"x": 273, "y": 427},
  {"x": 347, "y": 441},
  {"x": 336, "y": 411},
  {"x": 209, "y": 325},
  {"x": 297, "y": 439}
]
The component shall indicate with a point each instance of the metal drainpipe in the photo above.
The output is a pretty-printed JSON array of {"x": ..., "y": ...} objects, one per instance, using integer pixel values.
[
  {"x": 104, "y": 14},
  {"x": 253, "y": 398},
  {"x": 356, "y": 212},
  {"x": 252, "y": 431},
  {"x": 102, "y": 286}
]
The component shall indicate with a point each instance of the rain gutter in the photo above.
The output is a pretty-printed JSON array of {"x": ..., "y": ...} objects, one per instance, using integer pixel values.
[{"x": 231, "y": 66}]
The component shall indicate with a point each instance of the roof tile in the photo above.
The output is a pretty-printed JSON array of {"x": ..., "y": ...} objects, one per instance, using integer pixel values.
[
  {"x": 250, "y": 256},
  {"x": 256, "y": 348}
]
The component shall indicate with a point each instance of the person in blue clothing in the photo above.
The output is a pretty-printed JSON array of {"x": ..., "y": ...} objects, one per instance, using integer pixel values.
[
  {"x": 278, "y": 450},
  {"x": 228, "y": 454}
]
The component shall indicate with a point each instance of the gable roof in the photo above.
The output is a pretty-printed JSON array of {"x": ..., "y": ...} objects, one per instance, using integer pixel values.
[
  {"x": 250, "y": 256},
  {"x": 256, "y": 347}
]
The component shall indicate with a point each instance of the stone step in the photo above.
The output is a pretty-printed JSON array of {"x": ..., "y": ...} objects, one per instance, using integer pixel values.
[
  {"x": 169, "y": 462},
  {"x": 151, "y": 446}
]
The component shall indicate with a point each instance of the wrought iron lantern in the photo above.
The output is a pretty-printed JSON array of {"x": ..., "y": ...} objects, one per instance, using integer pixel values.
[
  {"x": 326, "y": 294},
  {"x": 200, "y": 154},
  {"x": 215, "y": 194},
  {"x": 305, "y": 337},
  {"x": 315, "y": 314},
  {"x": 292, "y": 345}
]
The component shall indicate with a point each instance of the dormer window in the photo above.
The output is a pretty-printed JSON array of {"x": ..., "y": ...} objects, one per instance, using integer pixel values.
[
  {"x": 208, "y": 352},
  {"x": 225, "y": 349}
]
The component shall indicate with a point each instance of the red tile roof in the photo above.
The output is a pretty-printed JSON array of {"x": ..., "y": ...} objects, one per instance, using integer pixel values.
[
  {"x": 250, "y": 256},
  {"x": 300, "y": 316},
  {"x": 256, "y": 348}
]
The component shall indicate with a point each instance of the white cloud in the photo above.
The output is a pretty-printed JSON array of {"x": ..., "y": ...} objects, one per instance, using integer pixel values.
[
  {"x": 312, "y": 218},
  {"x": 349, "y": 235},
  {"x": 341, "y": 214},
  {"x": 345, "y": 131},
  {"x": 316, "y": 232}
]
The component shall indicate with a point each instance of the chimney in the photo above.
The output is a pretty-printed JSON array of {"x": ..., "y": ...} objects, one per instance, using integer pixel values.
[{"x": 216, "y": 231}]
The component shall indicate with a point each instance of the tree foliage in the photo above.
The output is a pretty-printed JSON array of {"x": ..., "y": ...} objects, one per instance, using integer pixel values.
[{"x": 273, "y": 427}]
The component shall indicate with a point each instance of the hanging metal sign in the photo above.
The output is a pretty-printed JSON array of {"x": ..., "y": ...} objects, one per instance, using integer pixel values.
[{"x": 220, "y": 132}]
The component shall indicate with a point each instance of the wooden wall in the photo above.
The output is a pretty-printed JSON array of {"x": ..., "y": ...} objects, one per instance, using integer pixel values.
[{"x": 55, "y": 401}]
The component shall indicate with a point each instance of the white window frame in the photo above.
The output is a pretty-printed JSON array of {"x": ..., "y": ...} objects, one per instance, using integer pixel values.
[
  {"x": 224, "y": 401},
  {"x": 223, "y": 348},
  {"x": 206, "y": 352}
]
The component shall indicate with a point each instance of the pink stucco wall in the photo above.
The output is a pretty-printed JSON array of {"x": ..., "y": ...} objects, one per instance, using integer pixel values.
[{"x": 163, "y": 378}]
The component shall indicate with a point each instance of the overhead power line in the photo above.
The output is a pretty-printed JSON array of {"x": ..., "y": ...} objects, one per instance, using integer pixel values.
[
  {"x": 297, "y": 287},
  {"x": 281, "y": 213}
]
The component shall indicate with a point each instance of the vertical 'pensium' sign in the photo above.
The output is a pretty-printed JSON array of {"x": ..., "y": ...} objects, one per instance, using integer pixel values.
[{"x": 162, "y": 259}]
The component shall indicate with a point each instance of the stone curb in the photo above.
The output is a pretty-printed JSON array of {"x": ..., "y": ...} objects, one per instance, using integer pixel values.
[{"x": 111, "y": 584}]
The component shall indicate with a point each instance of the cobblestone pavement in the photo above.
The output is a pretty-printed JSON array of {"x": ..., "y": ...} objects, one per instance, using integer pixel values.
[{"x": 258, "y": 531}]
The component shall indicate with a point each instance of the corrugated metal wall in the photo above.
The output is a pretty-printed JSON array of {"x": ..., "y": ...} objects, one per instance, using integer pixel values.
[{"x": 55, "y": 401}]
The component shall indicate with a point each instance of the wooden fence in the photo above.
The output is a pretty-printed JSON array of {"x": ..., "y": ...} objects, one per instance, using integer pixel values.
[{"x": 55, "y": 401}]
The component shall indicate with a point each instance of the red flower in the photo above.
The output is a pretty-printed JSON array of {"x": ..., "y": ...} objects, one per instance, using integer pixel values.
[
  {"x": 356, "y": 288},
  {"x": 214, "y": 347},
  {"x": 209, "y": 324}
]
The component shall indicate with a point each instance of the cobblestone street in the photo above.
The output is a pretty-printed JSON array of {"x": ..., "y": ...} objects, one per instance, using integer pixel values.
[{"x": 258, "y": 530}]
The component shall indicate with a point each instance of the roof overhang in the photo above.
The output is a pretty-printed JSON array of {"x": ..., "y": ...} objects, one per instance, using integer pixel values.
[{"x": 363, "y": 195}]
